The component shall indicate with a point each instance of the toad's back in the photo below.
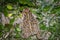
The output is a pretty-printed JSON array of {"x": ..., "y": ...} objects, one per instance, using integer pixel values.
[{"x": 29, "y": 24}]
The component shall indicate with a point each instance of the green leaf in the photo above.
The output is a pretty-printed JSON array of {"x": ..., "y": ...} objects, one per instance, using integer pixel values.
[
  {"x": 56, "y": 9},
  {"x": 1, "y": 27},
  {"x": 12, "y": 20},
  {"x": 46, "y": 8},
  {"x": 21, "y": 8},
  {"x": 42, "y": 26},
  {"x": 1, "y": 8},
  {"x": 17, "y": 36},
  {"x": 9, "y": 7},
  {"x": 18, "y": 29},
  {"x": 5, "y": 12}
]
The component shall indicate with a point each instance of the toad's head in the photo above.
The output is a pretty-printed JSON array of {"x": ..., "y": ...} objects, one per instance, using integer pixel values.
[{"x": 26, "y": 10}]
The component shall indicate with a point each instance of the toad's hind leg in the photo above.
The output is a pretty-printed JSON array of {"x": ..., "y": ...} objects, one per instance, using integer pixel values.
[{"x": 38, "y": 35}]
